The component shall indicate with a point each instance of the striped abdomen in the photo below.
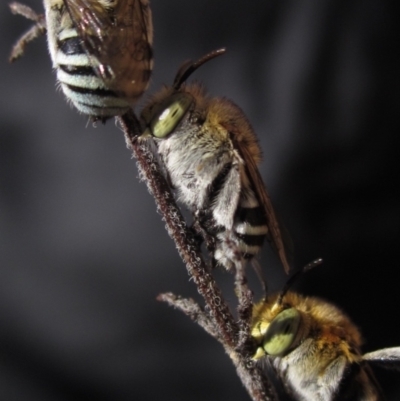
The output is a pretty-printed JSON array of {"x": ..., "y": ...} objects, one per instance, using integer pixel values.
[
  {"x": 245, "y": 238},
  {"x": 79, "y": 81},
  {"x": 250, "y": 224}
]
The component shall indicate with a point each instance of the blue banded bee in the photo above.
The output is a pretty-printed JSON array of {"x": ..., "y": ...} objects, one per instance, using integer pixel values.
[
  {"x": 210, "y": 154},
  {"x": 316, "y": 349},
  {"x": 101, "y": 50}
]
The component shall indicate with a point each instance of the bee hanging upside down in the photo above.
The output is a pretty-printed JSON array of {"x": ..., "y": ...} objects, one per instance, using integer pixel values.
[
  {"x": 210, "y": 154},
  {"x": 101, "y": 50},
  {"x": 315, "y": 349}
]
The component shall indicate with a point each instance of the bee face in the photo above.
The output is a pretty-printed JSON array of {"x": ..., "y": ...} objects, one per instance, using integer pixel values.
[
  {"x": 163, "y": 117},
  {"x": 210, "y": 154},
  {"x": 315, "y": 349},
  {"x": 101, "y": 51},
  {"x": 181, "y": 124}
]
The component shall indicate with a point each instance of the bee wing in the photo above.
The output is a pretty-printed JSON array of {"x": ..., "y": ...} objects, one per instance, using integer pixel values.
[
  {"x": 278, "y": 239},
  {"x": 117, "y": 40},
  {"x": 388, "y": 358}
]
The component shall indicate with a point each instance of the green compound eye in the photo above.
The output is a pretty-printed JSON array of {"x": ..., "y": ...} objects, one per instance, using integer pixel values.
[
  {"x": 170, "y": 115},
  {"x": 282, "y": 332}
]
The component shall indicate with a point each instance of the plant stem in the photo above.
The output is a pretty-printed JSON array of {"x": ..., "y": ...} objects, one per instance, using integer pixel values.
[{"x": 216, "y": 318}]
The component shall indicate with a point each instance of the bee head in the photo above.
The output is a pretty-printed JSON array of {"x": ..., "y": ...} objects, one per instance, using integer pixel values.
[
  {"x": 282, "y": 325},
  {"x": 168, "y": 108},
  {"x": 280, "y": 335}
]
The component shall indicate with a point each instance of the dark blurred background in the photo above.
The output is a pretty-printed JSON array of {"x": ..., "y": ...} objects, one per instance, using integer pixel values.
[{"x": 84, "y": 253}]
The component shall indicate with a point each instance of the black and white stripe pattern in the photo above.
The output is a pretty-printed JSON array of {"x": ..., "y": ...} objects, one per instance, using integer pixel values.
[
  {"x": 251, "y": 229},
  {"x": 212, "y": 174},
  {"x": 79, "y": 81},
  {"x": 246, "y": 238}
]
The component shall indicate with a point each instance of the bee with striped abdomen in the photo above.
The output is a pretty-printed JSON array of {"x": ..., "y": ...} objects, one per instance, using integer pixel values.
[
  {"x": 316, "y": 349},
  {"x": 210, "y": 154},
  {"x": 101, "y": 50}
]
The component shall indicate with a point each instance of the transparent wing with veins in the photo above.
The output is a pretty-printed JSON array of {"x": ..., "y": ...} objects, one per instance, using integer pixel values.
[
  {"x": 117, "y": 39},
  {"x": 276, "y": 236}
]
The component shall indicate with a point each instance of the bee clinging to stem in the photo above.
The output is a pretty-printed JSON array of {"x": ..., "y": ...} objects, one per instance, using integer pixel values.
[
  {"x": 100, "y": 49},
  {"x": 210, "y": 154},
  {"x": 316, "y": 349}
]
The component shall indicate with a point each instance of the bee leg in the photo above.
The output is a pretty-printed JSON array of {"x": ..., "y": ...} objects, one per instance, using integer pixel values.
[
  {"x": 198, "y": 236},
  {"x": 199, "y": 230},
  {"x": 24, "y": 10},
  {"x": 34, "y": 32}
]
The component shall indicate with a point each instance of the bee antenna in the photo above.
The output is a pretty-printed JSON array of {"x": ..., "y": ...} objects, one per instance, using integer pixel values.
[
  {"x": 296, "y": 276},
  {"x": 189, "y": 67}
]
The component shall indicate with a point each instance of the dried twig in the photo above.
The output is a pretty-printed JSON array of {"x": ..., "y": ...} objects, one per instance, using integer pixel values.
[
  {"x": 216, "y": 318},
  {"x": 190, "y": 308},
  {"x": 177, "y": 229}
]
